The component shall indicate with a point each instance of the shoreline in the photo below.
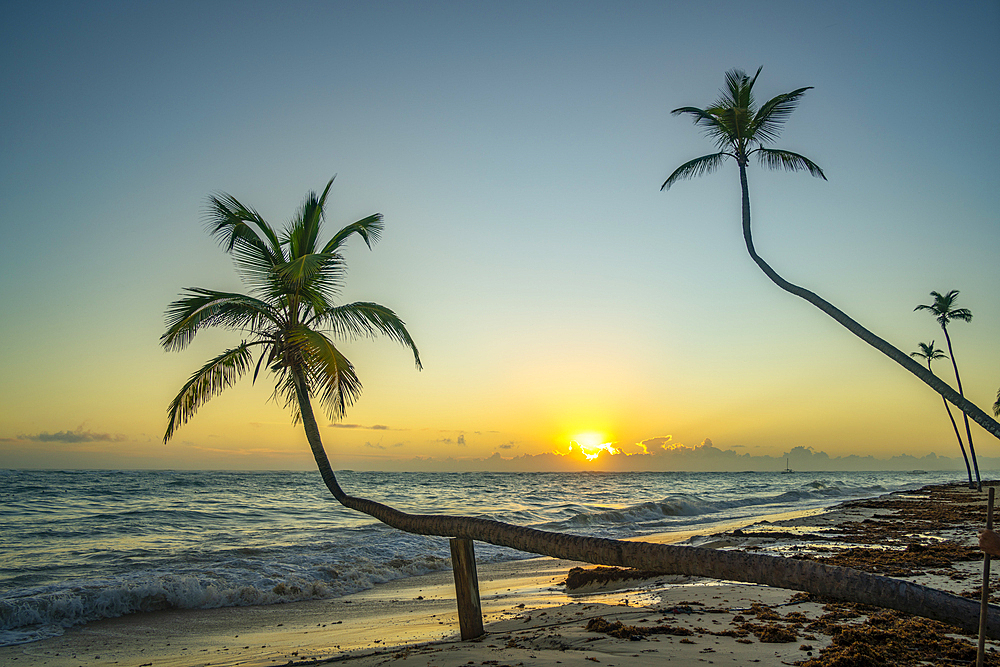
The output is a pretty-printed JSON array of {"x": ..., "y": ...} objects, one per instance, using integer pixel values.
[{"x": 526, "y": 610}]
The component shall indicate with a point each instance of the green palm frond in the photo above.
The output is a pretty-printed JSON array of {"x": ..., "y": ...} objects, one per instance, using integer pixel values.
[
  {"x": 319, "y": 270},
  {"x": 767, "y": 122},
  {"x": 705, "y": 164},
  {"x": 774, "y": 158},
  {"x": 233, "y": 224},
  {"x": 201, "y": 308},
  {"x": 369, "y": 229},
  {"x": 367, "y": 319},
  {"x": 302, "y": 234},
  {"x": 208, "y": 381},
  {"x": 326, "y": 370}
]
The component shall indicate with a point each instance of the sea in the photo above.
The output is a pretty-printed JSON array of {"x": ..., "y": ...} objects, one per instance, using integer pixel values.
[{"x": 77, "y": 546}]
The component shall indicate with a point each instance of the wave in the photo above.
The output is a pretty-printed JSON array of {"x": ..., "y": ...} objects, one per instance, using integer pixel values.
[
  {"x": 682, "y": 509},
  {"x": 43, "y": 612}
]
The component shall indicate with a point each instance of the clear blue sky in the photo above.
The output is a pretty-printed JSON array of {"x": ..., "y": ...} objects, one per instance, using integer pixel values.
[{"x": 516, "y": 151}]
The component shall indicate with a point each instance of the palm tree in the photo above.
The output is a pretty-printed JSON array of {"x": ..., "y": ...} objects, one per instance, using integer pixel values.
[
  {"x": 944, "y": 311},
  {"x": 293, "y": 282},
  {"x": 741, "y": 130},
  {"x": 288, "y": 315},
  {"x": 929, "y": 353}
]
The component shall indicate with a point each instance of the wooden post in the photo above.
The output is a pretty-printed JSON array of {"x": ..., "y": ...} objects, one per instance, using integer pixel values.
[
  {"x": 980, "y": 654},
  {"x": 470, "y": 611}
]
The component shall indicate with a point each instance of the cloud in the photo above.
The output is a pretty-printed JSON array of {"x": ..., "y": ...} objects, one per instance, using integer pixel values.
[
  {"x": 79, "y": 435},
  {"x": 379, "y": 445},
  {"x": 662, "y": 454},
  {"x": 461, "y": 440},
  {"x": 373, "y": 427}
]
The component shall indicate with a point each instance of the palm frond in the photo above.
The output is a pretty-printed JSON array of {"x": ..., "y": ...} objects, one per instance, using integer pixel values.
[
  {"x": 996, "y": 406},
  {"x": 929, "y": 352},
  {"x": 696, "y": 167},
  {"x": 201, "y": 308},
  {"x": 368, "y": 228},
  {"x": 774, "y": 158},
  {"x": 232, "y": 223},
  {"x": 767, "y": 122},
  {"x": 943, "y": 308},
  {"x": 363, "y": 318},
  {"x": 963, "y": 314},
  {"x": 326, "y": 370},
  {"x": 302, "y": 233},
  {"x": 208, "y": 381}
]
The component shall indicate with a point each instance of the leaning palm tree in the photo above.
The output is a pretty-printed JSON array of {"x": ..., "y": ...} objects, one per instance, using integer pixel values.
[
  {"x": 944, "y": 311},
  {"x": 289, "y": 316},
  {"x": 741, "y": 131},
  {"x": 930, "y": 353}
]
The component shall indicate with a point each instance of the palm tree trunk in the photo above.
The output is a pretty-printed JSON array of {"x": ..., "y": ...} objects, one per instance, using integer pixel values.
[
  {"x": 934, "y": 382},
  {"x": 968, "y": 431},
  {"x": 958, "y": 435},
  {"x": 961, "y": 444},
  {"x": 790, "y": 573}
]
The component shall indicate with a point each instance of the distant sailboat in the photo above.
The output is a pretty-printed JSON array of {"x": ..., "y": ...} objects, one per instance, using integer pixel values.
[{"x": 787, "y": 469}]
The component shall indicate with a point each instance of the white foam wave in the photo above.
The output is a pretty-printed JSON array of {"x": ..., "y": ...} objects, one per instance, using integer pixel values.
[{"x": 44, "y": 611}]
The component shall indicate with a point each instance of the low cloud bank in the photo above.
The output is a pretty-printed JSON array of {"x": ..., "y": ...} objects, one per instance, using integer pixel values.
[
  {"x": 79, "y": 435},
  {"x": 661, "y": 455}
]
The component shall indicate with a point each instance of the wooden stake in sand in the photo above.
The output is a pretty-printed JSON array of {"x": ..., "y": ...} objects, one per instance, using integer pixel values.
[
  {"x": 470, "y": 611},
  {"x": 986, "y": 586}
]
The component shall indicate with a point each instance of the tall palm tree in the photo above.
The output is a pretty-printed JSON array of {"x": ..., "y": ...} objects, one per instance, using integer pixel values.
[
  {"x": 293, "y": 282},
  {"x": 944, "y": 311},
  {"x": 930, "y": 353},
  {"x": 742, "y": 130}
]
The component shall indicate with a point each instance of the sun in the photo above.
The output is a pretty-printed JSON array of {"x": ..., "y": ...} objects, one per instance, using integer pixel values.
[{"x": 591, "y": 444}]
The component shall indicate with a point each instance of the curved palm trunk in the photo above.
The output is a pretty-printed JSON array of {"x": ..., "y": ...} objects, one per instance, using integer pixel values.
[
  {"x": 968, "y": 431},
  {"x": 802, "y": 575},
  {"x": 934, "y": 382},
  {"x": 958, "y": 435}
]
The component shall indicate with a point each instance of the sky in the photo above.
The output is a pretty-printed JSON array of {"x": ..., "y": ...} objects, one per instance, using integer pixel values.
[{"x": 560, "y": 301}]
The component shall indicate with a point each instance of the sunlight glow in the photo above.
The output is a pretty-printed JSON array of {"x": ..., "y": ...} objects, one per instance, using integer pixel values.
[{"x": 590, "y": 445}]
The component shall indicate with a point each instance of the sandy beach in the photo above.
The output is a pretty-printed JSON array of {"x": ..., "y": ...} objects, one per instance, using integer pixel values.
[{"x": 532, "y": 618}]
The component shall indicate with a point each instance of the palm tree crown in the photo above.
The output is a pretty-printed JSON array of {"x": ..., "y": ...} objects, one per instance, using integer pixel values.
[
  {"x": 289, "y": 314},
  {"x": 929, "y": 353},
  {"x": 740, "y": 130},
  {"x": 943, "y": 309}
]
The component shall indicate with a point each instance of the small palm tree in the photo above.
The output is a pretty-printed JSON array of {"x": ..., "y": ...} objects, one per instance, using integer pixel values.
[
  {"x": 288, "y": 318},
  {"x": 742, "y": 130},
  {"x": 930, "y": 353},
  {"x": 944, "y": 311}
]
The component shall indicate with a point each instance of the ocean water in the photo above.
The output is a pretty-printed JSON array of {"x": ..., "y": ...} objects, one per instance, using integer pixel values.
[{"x": 78, "y": 546}]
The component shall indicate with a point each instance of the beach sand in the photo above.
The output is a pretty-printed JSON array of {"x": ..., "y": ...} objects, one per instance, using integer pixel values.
[{"x": 531, "y": 618}]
